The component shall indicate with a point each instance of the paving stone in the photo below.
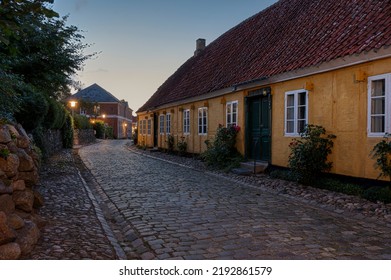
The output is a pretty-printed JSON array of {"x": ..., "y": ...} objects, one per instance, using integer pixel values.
[{"x": 189, "y": 211}]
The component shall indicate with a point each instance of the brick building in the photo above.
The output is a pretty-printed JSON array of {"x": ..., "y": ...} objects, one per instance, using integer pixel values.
[{"x": 99, "y": 104}]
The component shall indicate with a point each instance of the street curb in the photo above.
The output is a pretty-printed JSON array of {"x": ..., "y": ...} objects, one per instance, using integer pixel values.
[{"x": 105, "y": 226}]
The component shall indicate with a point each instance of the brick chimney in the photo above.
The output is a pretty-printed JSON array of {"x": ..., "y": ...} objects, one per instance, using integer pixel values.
[{"x": 200, "y": 46}]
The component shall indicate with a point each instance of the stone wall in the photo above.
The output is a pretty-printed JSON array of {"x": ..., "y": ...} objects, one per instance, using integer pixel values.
[
  {"x": 19, "y": 223},
  {"x": 83, "y": 136}
]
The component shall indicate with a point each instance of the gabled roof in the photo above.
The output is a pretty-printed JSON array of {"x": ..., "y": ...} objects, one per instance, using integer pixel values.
[
  {"x": 289, "y": 35},
  {"x": 95, "y": 93}
]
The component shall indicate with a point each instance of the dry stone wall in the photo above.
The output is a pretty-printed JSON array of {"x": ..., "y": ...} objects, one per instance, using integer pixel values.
[{"x": 19, "y": 223}]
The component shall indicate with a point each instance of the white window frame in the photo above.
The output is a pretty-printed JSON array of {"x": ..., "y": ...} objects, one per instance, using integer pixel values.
[
  {"x": 295, "y": 106},
  {"x": 161, "y": 124},
  {"x": 387, "y": 105},
  {"x": 149, "y": 126},
  {"x": 186, "y": 121},
  {"x": 168, "y": 123},
  {"x": 229, "y": 113},
  {"x": 203, "y": 121}
]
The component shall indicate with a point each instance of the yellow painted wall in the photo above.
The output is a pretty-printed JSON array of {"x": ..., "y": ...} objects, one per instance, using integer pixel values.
[
  {"x": 338, "y": 102},
  {"x": 195, "y": 142}
]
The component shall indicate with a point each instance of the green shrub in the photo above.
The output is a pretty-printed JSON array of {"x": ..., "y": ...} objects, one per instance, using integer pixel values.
[
  {"x": 308, "y": 157},
  {"x": 182, "y": 146},
  {"x": 81, "y": 122},
  {"x": 170, "y": 143},
  {"x": 375, "y": 194},
  {"x": 67, "y": 132},
  {"x": 338, "y": 186},
  {"x": 222, "y": 153},
  {"x": 382, "y": 153},
  {"x": 32, "y": 111},
  {"x": 99, "y": 127},
  {"x": 109, "y": 131},
  {"x": 55, "y": 117}
]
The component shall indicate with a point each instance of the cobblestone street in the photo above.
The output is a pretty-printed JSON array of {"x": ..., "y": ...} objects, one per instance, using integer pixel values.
[{"x": 158, "y": 210}]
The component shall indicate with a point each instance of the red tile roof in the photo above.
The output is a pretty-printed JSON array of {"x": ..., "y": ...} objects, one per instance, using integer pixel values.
[{"x": 289, "y": 35}]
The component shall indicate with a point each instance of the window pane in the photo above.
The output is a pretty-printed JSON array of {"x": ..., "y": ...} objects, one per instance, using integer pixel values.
[
  {"x": 302, "y": 113},
  {"x": 377, "y": 124},
  {"x": 378, "y": 106},
  {"x": 290, "y": 126},
  {"x": 234, "y": 118},
  {"x": 234, "y": 107},
  {"x": 229, "y": 108},
  {"x": 290, "y": 112},
  {"x": 302, "y": 98},
  {"x": 290, "y": 101},
  {"x": 378, "y": 88},
  {"x": 300, "y": 126}
]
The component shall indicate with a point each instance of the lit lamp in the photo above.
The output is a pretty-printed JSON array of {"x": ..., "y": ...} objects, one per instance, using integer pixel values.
[
  {"x": 73, "y": 106},
  {"x": 104, "y": 116}
]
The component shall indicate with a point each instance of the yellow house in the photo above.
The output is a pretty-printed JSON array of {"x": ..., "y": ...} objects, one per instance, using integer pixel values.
[{"x": 297, "y": 62}]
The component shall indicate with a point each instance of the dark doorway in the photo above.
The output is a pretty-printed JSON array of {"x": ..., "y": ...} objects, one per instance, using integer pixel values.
[{"x": 258, "y": 112}]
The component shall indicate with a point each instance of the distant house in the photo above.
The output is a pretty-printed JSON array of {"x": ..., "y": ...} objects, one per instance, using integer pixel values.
[
  {"x": 297, "y": 62},
  {"x": 99, "y": 104}
]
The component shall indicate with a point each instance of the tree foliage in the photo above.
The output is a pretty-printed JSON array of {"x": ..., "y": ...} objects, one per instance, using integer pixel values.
[{"x": 39, "y": 56}]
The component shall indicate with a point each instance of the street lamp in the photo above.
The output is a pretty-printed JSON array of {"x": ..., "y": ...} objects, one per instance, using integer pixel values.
[{"x": 73, "y": 106}]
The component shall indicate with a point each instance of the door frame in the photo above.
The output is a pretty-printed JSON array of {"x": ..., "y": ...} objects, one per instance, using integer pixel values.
[{"x": 258, "y": 93}]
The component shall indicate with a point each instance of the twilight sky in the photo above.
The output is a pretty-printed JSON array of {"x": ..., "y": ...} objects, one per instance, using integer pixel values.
[{"x": 143, "y": 42}]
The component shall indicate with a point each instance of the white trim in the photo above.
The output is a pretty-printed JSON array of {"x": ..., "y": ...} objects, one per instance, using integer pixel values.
[
  {"x": 295, "y": 107},
  {"x": 186, "y": 111},
  {"x": 387, "y": 109},
  {"x": 203, "y": 124},
  {"x": 168, "y": 123},
  {"x": 230, "y": 104},
  {"x": 161, "y": 127}
]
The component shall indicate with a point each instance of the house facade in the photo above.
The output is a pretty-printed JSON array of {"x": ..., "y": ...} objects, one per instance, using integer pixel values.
[
  {"x": 298, "y": 62},
  {"x": 98, "y": 104}
]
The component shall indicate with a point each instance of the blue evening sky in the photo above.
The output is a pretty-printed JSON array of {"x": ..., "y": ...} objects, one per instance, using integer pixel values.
[{"x": 142, "y": 42}]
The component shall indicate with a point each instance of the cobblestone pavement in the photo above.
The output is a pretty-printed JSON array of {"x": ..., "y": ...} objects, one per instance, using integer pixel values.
[
  {"x": 75, "y": 226},
  {"x": 163, "y": 211}
]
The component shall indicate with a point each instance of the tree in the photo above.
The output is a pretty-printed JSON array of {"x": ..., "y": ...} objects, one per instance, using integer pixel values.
[{"x": 39, "y": 54}]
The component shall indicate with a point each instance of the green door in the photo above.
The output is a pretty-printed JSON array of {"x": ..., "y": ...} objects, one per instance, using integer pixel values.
[{"x": 259, "y": 128}]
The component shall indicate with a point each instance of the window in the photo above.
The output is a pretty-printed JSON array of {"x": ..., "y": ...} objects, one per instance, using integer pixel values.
[
  {"x": 186, "y": 121},
  {"x": 202, "y": 121},
  {"x": 161, "y": 122},
  {"x": 149, "y": 126},
  {"x": 141, "y": 127},
  {"x": 232, "y": 113},
  {"x": 379, "y": 107},
  {"x": 144, "y": 127},
  {"x": 296, "y": 112},
  {"x": 168, "y": 123}
]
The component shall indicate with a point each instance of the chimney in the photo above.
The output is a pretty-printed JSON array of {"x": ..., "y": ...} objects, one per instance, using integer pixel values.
[{"x": 200, "y": 46}]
